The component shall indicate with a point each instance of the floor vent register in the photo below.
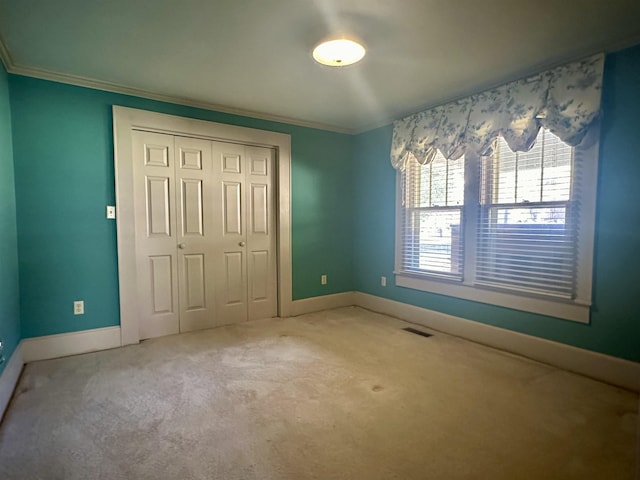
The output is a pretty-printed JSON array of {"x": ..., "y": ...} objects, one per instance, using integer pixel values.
[{"x": 417, "y": 332}]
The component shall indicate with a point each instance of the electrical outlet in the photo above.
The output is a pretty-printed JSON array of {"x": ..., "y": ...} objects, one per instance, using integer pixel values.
[
  {"x": 111, "y": 211},
  {"x": 383, "y": 281},
  {"x": 323, "y": 280},
  {"x": 78, "y": 307}
]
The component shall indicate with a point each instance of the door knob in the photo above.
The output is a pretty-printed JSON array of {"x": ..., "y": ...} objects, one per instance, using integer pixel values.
[
  {"x": 182, "y": 245},
  {"x": 242, "y": 244}
]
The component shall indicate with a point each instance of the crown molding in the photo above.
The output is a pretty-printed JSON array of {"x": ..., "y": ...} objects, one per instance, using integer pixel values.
[
  {"x": 5, "y": 56},
  {"x": 189, "y": 102},
  {"x": 80, "y": 81}
]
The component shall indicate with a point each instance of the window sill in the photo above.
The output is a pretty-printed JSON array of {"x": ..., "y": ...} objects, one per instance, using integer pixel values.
[{"x": 567, "y": 310}]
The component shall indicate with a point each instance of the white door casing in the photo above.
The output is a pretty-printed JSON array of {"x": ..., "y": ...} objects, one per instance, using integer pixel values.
[{"x": 276, "y": 145}]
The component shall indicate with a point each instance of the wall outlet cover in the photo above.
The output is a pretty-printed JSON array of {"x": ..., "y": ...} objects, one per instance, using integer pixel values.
[{"x": 78, "y": 307}]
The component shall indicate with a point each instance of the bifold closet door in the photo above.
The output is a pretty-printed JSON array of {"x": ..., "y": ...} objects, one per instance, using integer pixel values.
[
  {"x": 196, "y": 248},
  {"x": 261, "y": 233},
  {"x": 155, "y": 234},
  {"x": 205, "y": 233},
  {"x": 175, "y": 249},
  {"x": 246, "y": 279}
]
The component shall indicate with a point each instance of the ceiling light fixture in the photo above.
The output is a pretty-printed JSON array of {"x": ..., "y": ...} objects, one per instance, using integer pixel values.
[{"x": 338, "y": 53}]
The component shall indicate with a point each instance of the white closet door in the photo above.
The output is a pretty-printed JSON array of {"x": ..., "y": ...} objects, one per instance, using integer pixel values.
[
  {"x": 261, "y": 238},
  {"x": 205, "y": 233},
  {"x": 229, "y": 220},
  {"x": 196, "y": 247},
  {"x": 246, "y": 280},
  {"x": 155, "y": 232}
]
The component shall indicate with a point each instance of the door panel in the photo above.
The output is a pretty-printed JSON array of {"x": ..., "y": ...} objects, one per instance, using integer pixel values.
[
  {"x": 190, "y": 158},
  {"x": 158, "y": 206},
  {"x": 195, "y": 243},
  {"x": 155, "y": 219},
  {"x": 259, "y": 209},
  {"x": 260, "y": 162},
  {"x": 230, "y": 161},
  {"x": 234, "y": 273},
  {"x": 260, "y": 275},
  {"x": 232, "y": 208},
  {"x": 162, "y": 280},
  {"x": 192, "y": 207},
  {"x": 194, "y": 273},
  {"x": 157, "y": 155}
]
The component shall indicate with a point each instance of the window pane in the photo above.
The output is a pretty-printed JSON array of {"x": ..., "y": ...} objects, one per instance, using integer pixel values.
[
  {"x": 540, "y": 216},
  {"x": 455, "y": 186},
  {"x": 526, "y": 236},
  {"x": 558, "y": 160},
  {"x": 438, "y": 182},
  {"x": 438, "y": 239},
  {"x": 504, "y": 174},
  {"x": 529, "y": 182},
  {"x": 529, "y": 248},
  {"x": 543, "y": 174}
]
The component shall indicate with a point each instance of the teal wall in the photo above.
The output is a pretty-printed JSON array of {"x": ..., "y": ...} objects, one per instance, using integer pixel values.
[
  {"x": 9, "y": 308},
  {"x": 341, "y": 226},
  {"x": 614, "y": 327},
  {"x": 64, "y": 177}
]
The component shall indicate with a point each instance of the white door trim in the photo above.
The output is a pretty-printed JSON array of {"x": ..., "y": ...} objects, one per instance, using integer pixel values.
[{"x": 125, "y": 120}]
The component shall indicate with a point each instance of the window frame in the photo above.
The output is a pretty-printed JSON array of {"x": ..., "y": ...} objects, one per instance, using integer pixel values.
[{"x": 577, "y": 309}]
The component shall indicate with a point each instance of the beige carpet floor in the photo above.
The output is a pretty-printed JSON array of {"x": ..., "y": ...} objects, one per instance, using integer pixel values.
[{"x": 342, "y": 394}]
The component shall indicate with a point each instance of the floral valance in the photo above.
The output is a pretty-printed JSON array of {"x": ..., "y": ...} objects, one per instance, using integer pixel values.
[{"x": 566, "y": 100}]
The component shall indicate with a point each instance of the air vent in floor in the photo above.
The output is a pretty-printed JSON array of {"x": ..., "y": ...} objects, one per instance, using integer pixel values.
[{"x": 417, "y": 332}]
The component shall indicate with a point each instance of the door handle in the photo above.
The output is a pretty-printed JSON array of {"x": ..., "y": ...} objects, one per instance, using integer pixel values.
[
  {"x": 242, "y": 244},
  {"x": 182, "y": 246}
]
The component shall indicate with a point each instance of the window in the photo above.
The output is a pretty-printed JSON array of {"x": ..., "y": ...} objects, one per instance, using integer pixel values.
[
  {"x": 515, "y": 231},
  {"x": 527, "y": 230},
  {"x": 433, "y": 197}
]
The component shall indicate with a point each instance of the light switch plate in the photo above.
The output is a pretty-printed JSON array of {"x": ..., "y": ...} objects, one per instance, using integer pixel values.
[{"x": 111, "y": 211}]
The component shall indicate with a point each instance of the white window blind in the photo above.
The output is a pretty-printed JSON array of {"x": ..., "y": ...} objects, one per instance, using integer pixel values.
[
  {"x": 431, "y": 218},
  {"x": 528, "y": 221}
]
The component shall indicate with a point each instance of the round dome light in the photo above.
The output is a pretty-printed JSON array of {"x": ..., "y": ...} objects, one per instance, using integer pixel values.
[{"x": 338, "y": 53}]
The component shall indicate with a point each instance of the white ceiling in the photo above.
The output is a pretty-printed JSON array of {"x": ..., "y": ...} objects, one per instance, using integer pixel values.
[{"x": 254, "y": 56}]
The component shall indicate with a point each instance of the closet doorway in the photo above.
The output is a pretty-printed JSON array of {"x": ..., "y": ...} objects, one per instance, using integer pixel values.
[{"x": 203, "y": 223}]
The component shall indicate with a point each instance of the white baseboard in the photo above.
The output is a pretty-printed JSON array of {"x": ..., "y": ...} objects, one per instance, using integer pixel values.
[
  {"x": 324, "y": 302},
  {"x": 9, "y": 378},
  {"x": 616, "y": 371},
  {"x": 64, "y": 344},
  {"x": 609, "y": 369}
]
